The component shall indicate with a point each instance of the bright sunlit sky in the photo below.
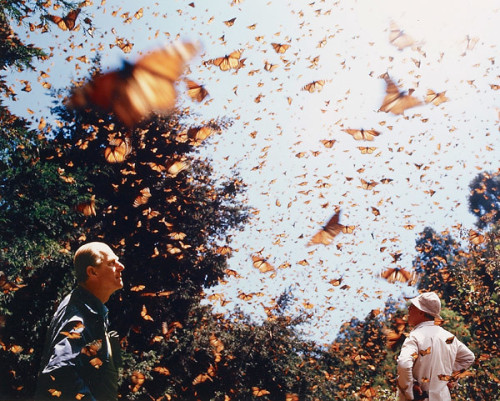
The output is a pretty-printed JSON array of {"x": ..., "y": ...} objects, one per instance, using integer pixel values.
[{"x": 294, "y": 181}]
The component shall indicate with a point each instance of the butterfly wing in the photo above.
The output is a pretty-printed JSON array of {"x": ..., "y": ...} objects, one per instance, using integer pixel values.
[
  {"x": 328, "y": 232},
  {"x": 66, "y": 23},
  {"x": 435, "y": 98},
  {"x": 140, "y": 89},
  {"x": 395, "y": 101},
  {"x": 195, "y": 91}
]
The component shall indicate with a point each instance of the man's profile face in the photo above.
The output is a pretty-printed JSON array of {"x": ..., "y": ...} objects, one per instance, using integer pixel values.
[{"x": 109, "y": 271}]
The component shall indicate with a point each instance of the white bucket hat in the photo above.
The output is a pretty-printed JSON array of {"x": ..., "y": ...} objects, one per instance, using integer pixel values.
[{"x": 428, "y": 302}]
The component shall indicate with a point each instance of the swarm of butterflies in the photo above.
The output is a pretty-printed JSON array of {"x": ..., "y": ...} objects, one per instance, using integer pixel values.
[{"x": 148, "y": 86}]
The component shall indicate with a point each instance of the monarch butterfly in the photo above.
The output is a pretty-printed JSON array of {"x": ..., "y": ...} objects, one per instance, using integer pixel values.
[
  {"x": 261, "y": 264},
  {"x": 450, "y": 340},
  {"x": 471, "y": 43},
  {"x": 424, "y": 352},
  {"x": 54, "y": 393},
  {"x": 336, "y": 282},
  {"x": 95, "y": 363},
  {"x": 348, "y": 229},
  {"x": 366, "y": 150},
  {"x": 87, "y": 208},
  {"x": 435, "y": 98},
  {"x": 118, "y": 150},
  {"x": 393, "y": 338},
  {"x": 361, "y": 134},
  {"x": 175, "y": 167},
  {"x": 229, "y": 61},
  {"x": 143, "y": 198},
  {"x": 258, "y": 392},
  {"x": 138, "y": 380},
  {"x": 72, "y": 335},
  {"x": 368, "y": 184},
  {"x": 9, "y": 286},
  {"x": 314, "y": 86},
  {"x": 476, "y": 238},
  {"x": 245, "y": 296},
  {"x": 92, "y": 348},
  {"x": 139, "y": 89},
  {"x": 398, "y": 38},
  {"x": 144, "y": 314},
  {"x": 202, "y": 377},
  {"x": 162, "y": 370},
  {"x": 397, "y": 274},
  {"x": 270, "y": 67},
  {"x": 177, "y": 235},
  {"x": 328, "y": 232},
  {"x": 280, "y": 48},
  {"x": 195, "y": 91},
  {"x": 199, "y": 134},
  {"x": 67, "y": 23},
  {"x": 395, "y": 101},
  {"x": 230, "y": 22},
  {"x": 328, "y": 143}
]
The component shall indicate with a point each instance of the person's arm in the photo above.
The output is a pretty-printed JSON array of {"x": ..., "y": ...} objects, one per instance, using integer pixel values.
[
  {"x": 405, "y": 363},
  {"x": 464, "y": 357},
  {"x": 61, "y": 378}
]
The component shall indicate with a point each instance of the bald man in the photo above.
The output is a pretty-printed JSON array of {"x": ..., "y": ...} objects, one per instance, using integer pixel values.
[{"x": 81, "y": 357}]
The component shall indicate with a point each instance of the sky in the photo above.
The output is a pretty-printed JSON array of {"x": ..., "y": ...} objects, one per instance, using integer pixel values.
[{"x": 430, "y": 154}]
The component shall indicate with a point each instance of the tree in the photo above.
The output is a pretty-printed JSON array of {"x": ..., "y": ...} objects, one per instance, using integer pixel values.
[
  {"x": 437, "y": 254},
  {"x": 484, "y": 198}
]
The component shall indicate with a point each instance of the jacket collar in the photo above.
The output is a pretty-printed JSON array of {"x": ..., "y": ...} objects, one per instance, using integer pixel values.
[
  {"x": 424, "y": 324},
  {"x": 91, "y": 302}
]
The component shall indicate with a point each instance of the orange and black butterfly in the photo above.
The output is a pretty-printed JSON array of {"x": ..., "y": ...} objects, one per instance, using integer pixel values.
[
  {"x": 143, "y": 198},
  {"x": 92, "y": 348},
  {"x": 139, "y": 89},
  {"x": 329, "y": 231},
  {"x": 395, "y": 101},
  {"x": 199, "y": 134},
  {"x": 231, "y": 61},
  {"x": 262, "y": 264},
  {"x": 280, "y": 48},
  {"x": 7, "y": 286},
  {"x": 393, "y": 338},
  {"x": 67, "y": 23},
  {"x": 361, "y": 134},
  {"x": 367, "y": 149},
  {"x": 394, "y": 274},
  {"x": 118, "y": 150},
  {"x": 435, "y": 98},
  {"x": 259, "y": 392},
  {"x": 398, "y": 38},
  {"x": 314, "y": 86},
  {"x": 195, "y": 91},
  {"x": 138, "y": 380},
  {"x": 87, "y": 208}
]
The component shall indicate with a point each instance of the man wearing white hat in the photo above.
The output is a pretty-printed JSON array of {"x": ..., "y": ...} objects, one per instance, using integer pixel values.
[{"x": 430, "y": 356}]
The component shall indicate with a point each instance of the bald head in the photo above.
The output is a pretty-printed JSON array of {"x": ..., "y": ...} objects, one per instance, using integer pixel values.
[{"x": 90, "y": 254}]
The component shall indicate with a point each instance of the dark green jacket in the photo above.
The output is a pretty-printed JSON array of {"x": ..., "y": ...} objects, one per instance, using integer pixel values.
[{"x": 77, "y": 362}]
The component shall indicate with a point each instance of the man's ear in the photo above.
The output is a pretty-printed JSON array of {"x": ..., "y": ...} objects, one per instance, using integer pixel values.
[{"x": 91, "y": 271}]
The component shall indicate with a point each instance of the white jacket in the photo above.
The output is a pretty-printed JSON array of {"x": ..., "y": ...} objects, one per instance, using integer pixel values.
[{"x": 430, "y": 352}]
